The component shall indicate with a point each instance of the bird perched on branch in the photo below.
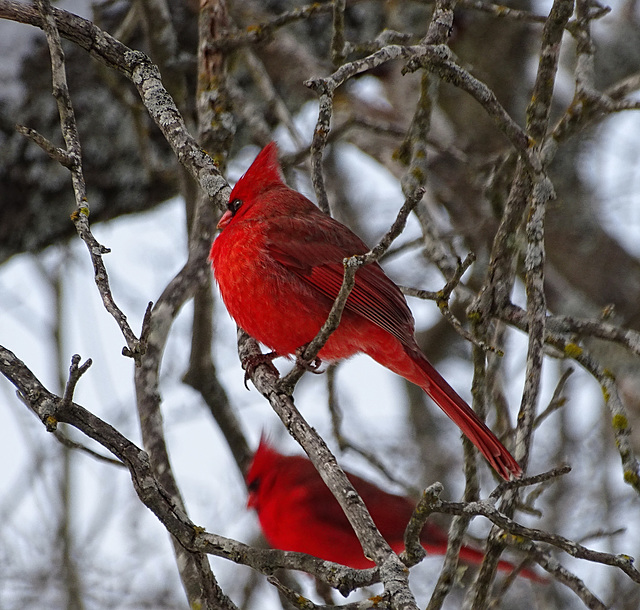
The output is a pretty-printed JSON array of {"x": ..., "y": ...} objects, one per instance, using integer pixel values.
[
  {"x": 278, "y": 262},
  {"x": 298, "y": 512}
]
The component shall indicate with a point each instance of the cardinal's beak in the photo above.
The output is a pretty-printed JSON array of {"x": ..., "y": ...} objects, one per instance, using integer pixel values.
[{"x": 225, "y": 220}]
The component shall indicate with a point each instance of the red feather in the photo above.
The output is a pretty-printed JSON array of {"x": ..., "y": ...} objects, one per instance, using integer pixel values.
[
  {"x": 278, "y": 265},
  {"x": 297, "y": 512}
]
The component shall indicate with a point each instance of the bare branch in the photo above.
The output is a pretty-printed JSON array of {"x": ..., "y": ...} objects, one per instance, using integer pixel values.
[
  {"x": 75, "y": 372},
  {"x": 558, "y": 400},
  {"x": 137, "y": 67},
  {"x": 257, "y": 33},
  {"x": 540, "y": 105},
  {"x": 298, "y": 601},
  {"x": 620, "y": 420},
  {"x": 562, "y": 575},
  {"x": 55, "y": 152},
  {"x": 414, "y": 552},
  {"x": 622, "y": 562},
  {"x": 338, "y": 41},
  {"x": 51, "y": 409},
  {"x": 392, "y": 572}
]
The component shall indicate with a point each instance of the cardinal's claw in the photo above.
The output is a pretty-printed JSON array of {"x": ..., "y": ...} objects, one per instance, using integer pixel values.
[
  {"x": 312, "y": 365},
  {"x": 254, "y": 361}
]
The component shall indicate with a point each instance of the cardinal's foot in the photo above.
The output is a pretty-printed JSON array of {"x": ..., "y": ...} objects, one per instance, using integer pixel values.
[
  {"x": 254, "y": 361},
  {"x": 308, "y": 365}
]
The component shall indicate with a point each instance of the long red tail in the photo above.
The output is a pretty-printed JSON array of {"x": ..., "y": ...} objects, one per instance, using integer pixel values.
[{"x": 466, "y": 419}]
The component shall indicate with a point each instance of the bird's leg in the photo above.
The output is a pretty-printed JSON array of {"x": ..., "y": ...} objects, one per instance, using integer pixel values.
[
  {"x": 308, "y": 365},
  {"x": 255, "y": 360}
]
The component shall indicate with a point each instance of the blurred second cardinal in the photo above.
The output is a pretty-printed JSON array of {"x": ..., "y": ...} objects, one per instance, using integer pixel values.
[{"x": 297, "y": 512}]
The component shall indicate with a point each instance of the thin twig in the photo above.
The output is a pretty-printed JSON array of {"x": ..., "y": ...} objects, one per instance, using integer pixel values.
[
  {"x": 562, "y": 575},
  {"x": 540, "y": 105},
  {"x": 620, "y": 421},
  {"x": 72, "y": 158},
  {"x": 543, "y": 477},
  {"x": 558, "y": 400},
  {"x": 299, "y": 601},
  {"x": 442, "y": 296},
  {"x": 75, "y": 372},
  {"x": 484, "y": 509},
  {"x": 438, "y": 59},
  {"x": 71, "y": 444},
  {"x": 347, "y": 444},
  {"x": 501, "y": 11},
  {"x": 571, "y": 326},
  {"x": 338, "y": 40},
  {"x": 55, "y": 152},
  {"x": 414, "y": 552},
  {"x": 260, "y": 32}
]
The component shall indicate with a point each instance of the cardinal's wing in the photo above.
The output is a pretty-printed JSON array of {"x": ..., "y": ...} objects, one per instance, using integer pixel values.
[
  {"x": 304, "y": 493},
  {"x": 302, "y": 490},
  {"x": 310, "y": 494},
  {"x": 313, "y": 247}
]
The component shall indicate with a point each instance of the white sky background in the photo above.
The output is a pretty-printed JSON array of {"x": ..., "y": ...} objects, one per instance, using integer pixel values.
[{"x": 147, "y": 251}]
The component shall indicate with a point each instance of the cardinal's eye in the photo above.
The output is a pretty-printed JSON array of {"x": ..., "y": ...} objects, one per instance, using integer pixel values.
[
  {"x": 234, "y": 206},
  {"x": 254, "y": 485}
]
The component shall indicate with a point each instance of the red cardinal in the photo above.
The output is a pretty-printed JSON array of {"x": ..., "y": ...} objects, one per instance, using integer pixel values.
[
  {"x": 278, "y": 264},
  {"x": 297, "y": 512}
]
